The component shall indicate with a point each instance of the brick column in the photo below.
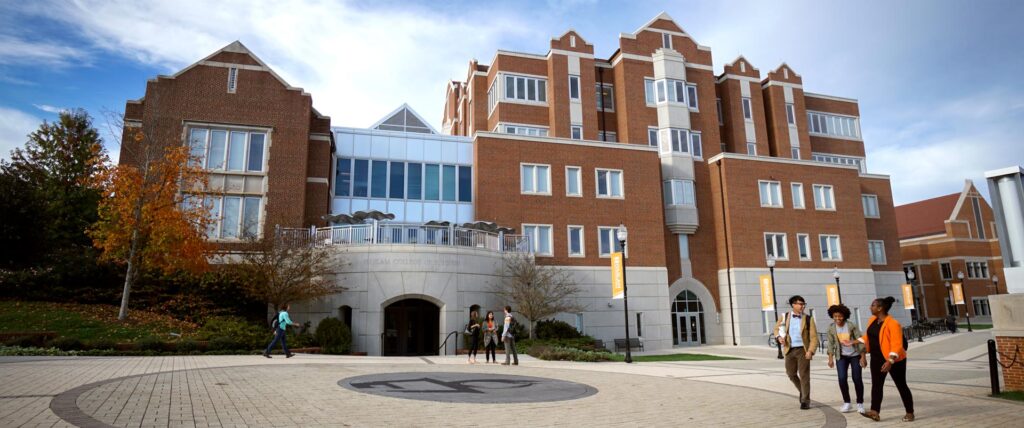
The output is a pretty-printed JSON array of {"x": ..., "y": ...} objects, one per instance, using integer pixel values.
[{"x": 1008, "y": 329}]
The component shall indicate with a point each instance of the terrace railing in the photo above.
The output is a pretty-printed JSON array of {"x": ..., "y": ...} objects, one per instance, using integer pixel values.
[{"x": 378, "y": 233}]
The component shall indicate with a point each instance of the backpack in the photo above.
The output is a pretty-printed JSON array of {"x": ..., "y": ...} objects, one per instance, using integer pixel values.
[
  {"x": 512, "y": 324},
  {"x": 276, "y": 324}
]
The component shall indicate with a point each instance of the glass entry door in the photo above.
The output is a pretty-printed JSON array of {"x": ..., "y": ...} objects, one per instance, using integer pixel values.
[{"x": 688, "y": 330}]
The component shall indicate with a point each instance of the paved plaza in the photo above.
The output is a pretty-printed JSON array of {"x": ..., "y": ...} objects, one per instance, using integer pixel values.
[{"x": 948, "y": 375}]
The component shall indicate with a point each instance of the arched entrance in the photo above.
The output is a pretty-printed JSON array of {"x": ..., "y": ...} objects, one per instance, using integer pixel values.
[
  {"x": 687, "y": 320},
  {"x": 411, "y": 327}
]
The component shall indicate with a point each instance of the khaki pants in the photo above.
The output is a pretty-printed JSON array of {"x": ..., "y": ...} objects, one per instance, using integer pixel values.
[{"x": 797, "y": 362}]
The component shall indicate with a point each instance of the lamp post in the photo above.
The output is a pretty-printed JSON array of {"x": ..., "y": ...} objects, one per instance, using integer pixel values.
[
  {"x": 775, "y": 302},
  {"x": 839, "y": 291},
  {"x": 951, "y": 307},
  {"x": 995, "y": 283},
  {"x": 963, "y": 289},
  {"x": 910, "y": 277},
  {"x": 621, "y": 234}
]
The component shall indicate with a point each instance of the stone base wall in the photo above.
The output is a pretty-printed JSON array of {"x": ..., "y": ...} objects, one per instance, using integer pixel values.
[{"x": 1008, "y": 329}]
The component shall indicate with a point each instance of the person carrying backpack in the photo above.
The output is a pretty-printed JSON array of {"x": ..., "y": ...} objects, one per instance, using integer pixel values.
[
  {"x": 508, "y": 338},
  {"x": 280, "y": 325}
]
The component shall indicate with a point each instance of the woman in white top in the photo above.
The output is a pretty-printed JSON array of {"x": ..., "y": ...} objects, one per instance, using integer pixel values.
[{"x": 847, "y": 357}]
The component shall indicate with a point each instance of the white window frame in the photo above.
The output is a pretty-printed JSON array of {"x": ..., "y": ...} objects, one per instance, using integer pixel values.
[
  {"x": 790, "y": 114},
  {"x": 576, "y": 132},
  {"x": 833, "y": 125},
  {"x": 652, "y": 131},
  {"x": 751, "y": 148},
  {"x": 837, "y": 255},
  {"x": 650, "y": 92},
  {"x": 600, "y": 97},
  {"x": 778, "y": 193},
  {"x": 679, "y": 187},
  {"x": 804, "y": 240},
  {"x": 748, "y": 109},
  {"x": 666, "y": 40},
  {"x": 864, "y": 200},
  {"x": 528, "y": 81},
  {"x": 696, "y": 148},
  {"x": 824, "y": 193},
  {"x": 674, "y": 140},
  {"x": 796, "y": 191},
  {"x": 871, "y": 254},
  {"x": 794, "y": 152},
  {"x": 692, "y": 97},
  {"x": 773, "y": 251},
  {"x": 614, "y": 241},
  {"x": 247, "y": 144},
  {"x": 568, "y": 240},
  {"x": 576, "y": 175},
  {"x": 232, "y": 80},
  {"x": 535, "y": 242},
  {"x": 574, "y": 83},
  {"x": 534, "y": 179},
  {"x": 527, "y": 130},
  {"x": 608, "y": 184}
]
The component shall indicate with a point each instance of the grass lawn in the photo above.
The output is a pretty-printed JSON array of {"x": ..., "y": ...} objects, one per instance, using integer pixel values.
[
  {"x": 86, "y": 322},
  {"x": 975, "y": 326},
  {"x": 672, "y": 357},
  {"x": 1011, "y": 395}
]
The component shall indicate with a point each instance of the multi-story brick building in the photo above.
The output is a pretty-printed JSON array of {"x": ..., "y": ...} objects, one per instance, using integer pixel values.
[
  {"x": 944, "y": 237},
  {"x": 711, "y": 176}
]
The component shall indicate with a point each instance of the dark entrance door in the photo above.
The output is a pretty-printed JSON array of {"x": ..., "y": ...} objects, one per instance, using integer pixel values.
[{"x": 411, "y": 328}]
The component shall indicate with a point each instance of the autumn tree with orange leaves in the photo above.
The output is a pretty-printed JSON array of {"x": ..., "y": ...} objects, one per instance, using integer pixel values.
[{"x": 147, "y": 221}]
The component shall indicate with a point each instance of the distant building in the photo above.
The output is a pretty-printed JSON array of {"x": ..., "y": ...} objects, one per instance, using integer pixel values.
[{"x": 1006, "y": 186}]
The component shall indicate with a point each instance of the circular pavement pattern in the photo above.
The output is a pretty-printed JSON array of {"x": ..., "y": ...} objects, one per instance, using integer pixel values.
[{"x": 454, "y": 387}]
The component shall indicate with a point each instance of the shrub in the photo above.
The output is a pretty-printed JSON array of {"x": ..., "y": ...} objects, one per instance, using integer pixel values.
[
  {"x": 224, "y": 343},
  {"x": 150, "y": 343},
  {"x": 187, "y": 346},
  {"x": 244, "y": 334},
  {"x": 334, "y": 336},
  {"x": 555, "y": 329},
  {"x": 28, "y": 341},
  {"x": 301, "y": 337},
  {"x": 67, "y": 343},
  {"x": 558, "y": 353},
  {"x": 101, "y": 344}
]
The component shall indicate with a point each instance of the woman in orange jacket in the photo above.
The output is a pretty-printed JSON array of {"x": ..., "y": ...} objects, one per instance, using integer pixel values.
[{"x": 884, "y": 341}]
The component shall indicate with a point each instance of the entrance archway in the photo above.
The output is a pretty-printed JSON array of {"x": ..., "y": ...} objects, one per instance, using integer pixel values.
[
  {"x": 411, "y": 327},
  {"x": 688, "y": 326}
]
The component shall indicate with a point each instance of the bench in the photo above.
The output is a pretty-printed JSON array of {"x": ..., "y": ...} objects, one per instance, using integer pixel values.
[
  {"x": 634, "y": 343},
  {"x": 599, "y": 345}
]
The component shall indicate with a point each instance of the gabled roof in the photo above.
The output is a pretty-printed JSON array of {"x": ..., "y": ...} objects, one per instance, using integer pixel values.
[
  {"x": 237, "y": 47},
  {"x": 665, "y": 16},
  {"x": 404, "y": 119},
  {"x": 927, "y": 217}
]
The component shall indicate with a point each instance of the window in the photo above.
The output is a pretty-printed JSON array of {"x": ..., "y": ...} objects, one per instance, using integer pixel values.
[
  {"x": 361, "y": 178},
  {"x": 675, "y": 140},
  {"x": 535, "y": 179},
  {"x": 823, "y": 197},
  {"x": 797, "y": 190},
  {"x": 830, "y": 250},
  {"x": 224, "y": 150},
  {"x": 840, "y": 160},
  {"x": 803, "y": 246},
  {"x": 666, "y": 40},
  {"x": 605, "y": 97},
  {"x": 775, "y": 246},
  {"x": 232, "y": 80},
  {"x": 492, "y": 95},
  {"x": 831, "y": 125},
  {"x": 876, "y": 251},
  {"x": 639, "y": 324},
  {"x": 718, "y": 107},
  {"x": 576, "y": 241},
  {"x": 540, "y": 238},
  {"x": 574, "y": 87},
  {"x": 608, "y": 242},
  {"x": 649, "y": 91},
  {"x": 790, "y": 114},
  {"x": 525, "y": 88},
  {"x": 981, "y": 307},
  {"x": 609, "y": 183},
  {"x": 695, "y": 146},
  {"x": 946, "y": 270},
  {"x": 448, "y": 182},
  {"x": 378, "y": 179},
  {"x": 465, "y": 184},
  {"x": 752, "y": 149},
  {"x": 771, "y": 193},
  {"x": 652, "y": 136},
  {"x": 233, "y": 216},
  {"x": 573, "y": 181},
  {"x": 343, "y": 177},
  {"x": 978, "y": 222},
  {"x": 608, "y": 136},
  {"x": 415, "y": 186},
  {"x": 672, "y": 90},
  {"x": 977, "y": 270},
  {"x": 747, "y": 111},
  {"x": 684, "y": 246},
  {"x": 870, "y": 203},
  {"x": 531, "y": 131},
  {"x": 679, "y": 192},
  {"x": 795, "y": 152},
  {"x": 576, "y": 132},
  {"x": 432, "y": 182},
  {"x": 396, "y": 189},
  {"x": 691, "y": 96}
]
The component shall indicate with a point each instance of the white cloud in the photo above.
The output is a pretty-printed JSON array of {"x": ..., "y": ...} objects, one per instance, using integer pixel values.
[
  {"x": 15, "y": 51},
  {"x": 48, "y": 108},
  {"x": 358, "y": 63},
  {"x": 15, "y": 126}
]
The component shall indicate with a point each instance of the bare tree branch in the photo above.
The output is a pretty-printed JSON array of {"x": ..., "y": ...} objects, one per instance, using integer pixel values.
[{"x": 537, "y": 292}]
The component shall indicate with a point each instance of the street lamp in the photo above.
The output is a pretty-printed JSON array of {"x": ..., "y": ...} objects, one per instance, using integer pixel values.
[
  {"x": 995, "y": 283},
  {"x": 963, "y": 289},
  {"x": 621, "y": 234},
  {"x": 951, "y": 307},
  {"x": 839, "y": 291},
  {"x": 910, "y": 277},
  {"x": 775, "y": 301}
]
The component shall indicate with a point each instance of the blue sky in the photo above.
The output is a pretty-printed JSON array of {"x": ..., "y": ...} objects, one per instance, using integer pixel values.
[{"x": 938, "y": 82}]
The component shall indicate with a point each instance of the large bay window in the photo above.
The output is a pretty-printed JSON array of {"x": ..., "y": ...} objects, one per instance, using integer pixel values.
[
  {"x": 228, "y": 149},
  {"x": 679, "y": 192}
]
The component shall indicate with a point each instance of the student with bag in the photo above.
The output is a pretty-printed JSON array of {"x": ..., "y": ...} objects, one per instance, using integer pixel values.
[
  {"x": 509, "y": 338},
  {"x": 279, "y": 326},
  {"x": 799, "y": 338},
  {"x": 473, "y": 330},
  {"x": 888, "y": 348},
  {"x": 846, "y": 358},
  {"x": 490, "y": 338}
]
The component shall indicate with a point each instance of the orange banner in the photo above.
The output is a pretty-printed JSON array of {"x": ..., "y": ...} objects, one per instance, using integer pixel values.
[
  {"x": 908, "y": 296},
  {"x": 767, "y": 303},
  {"x": 958, "y": 293},
  {"x": 617, "y": 276},
  {"x": 832, "y": 293}
]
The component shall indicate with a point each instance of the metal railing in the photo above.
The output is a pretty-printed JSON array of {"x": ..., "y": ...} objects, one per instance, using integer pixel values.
[
  {"x": 405, "y": 234},
  {"x": 445, "y": 343}
]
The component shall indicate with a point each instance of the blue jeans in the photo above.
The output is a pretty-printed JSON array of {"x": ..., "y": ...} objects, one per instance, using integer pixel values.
[
  {"x": 278, "y": 336},
  {"x": 844, "y": 364}
]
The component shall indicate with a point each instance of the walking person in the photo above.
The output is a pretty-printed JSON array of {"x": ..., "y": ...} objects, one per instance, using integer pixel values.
[
  {"x": 847, "y": 358},
  {"x": 473, "y": 328},
  {"x": 885, "y": 343},
  {"x": 490, "y": 338},
  {"x": 509, "y": 338},
  {"x": 799, "y": 338},
  {"x": 280, "y": 326}
]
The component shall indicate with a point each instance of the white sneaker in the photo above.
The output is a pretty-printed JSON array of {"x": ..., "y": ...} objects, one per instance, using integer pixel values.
[
  {"x": 860, "y": 408},
  {"x": 846, "y": 408}
]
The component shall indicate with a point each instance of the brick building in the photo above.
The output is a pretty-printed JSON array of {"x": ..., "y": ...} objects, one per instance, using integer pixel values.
[
  {"x": 711, "y": 176},
  {"x": 943, "y": 237}
]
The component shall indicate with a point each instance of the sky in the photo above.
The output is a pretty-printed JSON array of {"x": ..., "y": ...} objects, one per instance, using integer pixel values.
[{"x": 938, "y": 81}]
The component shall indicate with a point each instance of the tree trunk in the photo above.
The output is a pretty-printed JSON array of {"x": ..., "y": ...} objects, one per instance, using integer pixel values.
[
  {"x": 133, "y": 268},
  {"x": 532, "y": 323}
]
